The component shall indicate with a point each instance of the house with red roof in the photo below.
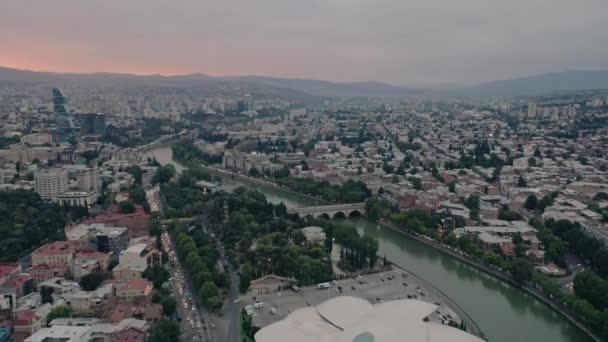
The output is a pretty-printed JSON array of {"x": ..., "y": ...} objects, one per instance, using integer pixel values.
[
  {"x": 21, "y": 284},
  {"x": 103, "y": 259},
  {"x": 43, "y": 272},
  {"x": 7, "y": 270},
  {"x": 130, "y": 334},
  {"x": 134, "y": 289},
  {"x": 27, "y": 322},
  {"x": 54, "y": 253},
  {"x": 137, "y": 223}
]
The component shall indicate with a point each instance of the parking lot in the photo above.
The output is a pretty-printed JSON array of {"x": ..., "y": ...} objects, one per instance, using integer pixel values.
[{"x": 375, "y": 288}]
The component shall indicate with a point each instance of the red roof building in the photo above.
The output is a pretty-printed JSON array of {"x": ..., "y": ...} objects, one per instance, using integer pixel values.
[
  {"x": 54, "y": 253},
  {"x": 43, "y": 272},
  {"x": 130, "y": 334},
  {"x": 20, "y": 284},
  {"x": 7, "y": 270},
  {"x": 27, "y": 323},
  {"x": 138, "y": 222},
  {"x": 133, "y": 289},
  {"x": 90, "y": 254}
]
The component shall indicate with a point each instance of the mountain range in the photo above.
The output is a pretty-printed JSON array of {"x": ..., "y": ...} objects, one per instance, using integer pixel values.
[{"x": 303, "y": 89}]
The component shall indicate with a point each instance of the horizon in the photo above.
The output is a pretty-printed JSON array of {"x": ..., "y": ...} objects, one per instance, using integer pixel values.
[{"x": 420, "y": 86}]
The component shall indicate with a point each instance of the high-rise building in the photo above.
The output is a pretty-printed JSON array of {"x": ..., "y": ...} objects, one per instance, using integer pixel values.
[
  {"x": 63, "y": 118},
  {"x": 92, "y": 124},
  {"x": 88, "y": 180},
  {"x": 531, "y": 110},
  {"x": 51, "y": 183}
]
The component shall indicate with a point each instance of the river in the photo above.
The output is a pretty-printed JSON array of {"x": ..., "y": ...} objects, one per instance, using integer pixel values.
[{"x": 504, "y": 313}]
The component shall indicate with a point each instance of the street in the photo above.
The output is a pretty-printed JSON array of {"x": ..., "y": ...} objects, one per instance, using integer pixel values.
[{"x": 195, "y": 323}]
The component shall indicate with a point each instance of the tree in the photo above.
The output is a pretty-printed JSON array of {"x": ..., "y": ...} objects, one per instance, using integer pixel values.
[
  {"x": 166, "y": 330},
  {"x": 136, "y": 172},
  {"x": 253, "y": 172},
  {"x": 164, "y": 174},
  {"x": 157, "y": 274},
  {"x": 452, "y": 186},
  {"x": 521, "y": 270},
  {"x": 137, "y": 195},
  {"x": 245, "y": 274},
  {"x": 472, "y": 202},
  {"x": 531, "y": 202},
  {"x": 600, "y": 260},
  {"x": 46, "y": 295},
  {"x": 521, "y": 182},
  {"x": 61, "y": 311},
  {"x": 91, "y": 281},
  {"x": 126, "y": 207},
  {"x": 298, "y": 237},
  {"x": 601, "y": 196},
  {"x": 209, "y": 290},
  {"x": 416, "y": 183},
  {"x": 532, "y": 162},
  {"x": 545, "y": 202},
  {"x": 163, "y": 298}
]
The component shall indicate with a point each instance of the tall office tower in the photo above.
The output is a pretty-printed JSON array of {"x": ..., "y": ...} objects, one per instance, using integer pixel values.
[
  {"x": 63, "y": 118},
  {"x": 51, "y": 183},
  {"x": 531, "y": 109},
  {"x": 92, "y": 124},
  {"x": 88, "y": 180}
]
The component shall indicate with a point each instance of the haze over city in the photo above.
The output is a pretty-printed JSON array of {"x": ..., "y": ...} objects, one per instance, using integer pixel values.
[{"x": 409, "y": 42}]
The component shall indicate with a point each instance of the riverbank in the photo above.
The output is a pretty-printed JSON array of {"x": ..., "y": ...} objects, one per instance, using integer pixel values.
[{"x": 499, "y": 275}]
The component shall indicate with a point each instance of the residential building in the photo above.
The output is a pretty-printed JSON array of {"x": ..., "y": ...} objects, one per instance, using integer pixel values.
[
  {"x": 54, "y": 253},
  {"x": 51, "y": 183},
  {"x": 135, "y": 289}
]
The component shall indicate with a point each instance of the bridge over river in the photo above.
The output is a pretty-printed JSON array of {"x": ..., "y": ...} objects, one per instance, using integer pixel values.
[{"x": 330, "y": 211}]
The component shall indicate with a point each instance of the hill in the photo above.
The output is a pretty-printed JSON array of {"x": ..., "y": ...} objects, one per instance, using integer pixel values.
[{"x": 542, "y": 84}]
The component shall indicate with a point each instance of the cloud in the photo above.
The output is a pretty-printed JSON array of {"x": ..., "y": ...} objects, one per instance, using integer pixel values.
[{"x": 397, "y": 41}]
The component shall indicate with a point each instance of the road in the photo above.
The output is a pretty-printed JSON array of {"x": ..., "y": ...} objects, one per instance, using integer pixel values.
[
  {"x": 194, "y": 318},
  {"x": 233, "y": 309}
]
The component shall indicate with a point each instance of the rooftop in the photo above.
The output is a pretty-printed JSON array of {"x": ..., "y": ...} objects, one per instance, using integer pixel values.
[
  {"x": 55, "y": 248},
  {"x": 351, "y": 319}
]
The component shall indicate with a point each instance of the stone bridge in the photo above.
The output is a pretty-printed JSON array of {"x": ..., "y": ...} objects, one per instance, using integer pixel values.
[{"x": 330, "y": 211}]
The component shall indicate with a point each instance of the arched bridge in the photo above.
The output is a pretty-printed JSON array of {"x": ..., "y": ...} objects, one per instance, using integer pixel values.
[{"x": 330, "y": 211}]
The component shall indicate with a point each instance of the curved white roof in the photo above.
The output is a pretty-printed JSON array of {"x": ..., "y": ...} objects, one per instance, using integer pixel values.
[
  {"x": 351, "y": 319},
  {"x": 343, "y": 310}
]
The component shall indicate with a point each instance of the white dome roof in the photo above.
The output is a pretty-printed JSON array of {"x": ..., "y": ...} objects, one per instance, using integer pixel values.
[{"x": 351, "y": 319}]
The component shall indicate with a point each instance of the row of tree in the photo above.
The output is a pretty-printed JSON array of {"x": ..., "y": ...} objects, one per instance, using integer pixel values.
[
  {"x": 186, "y": 152},
  {"x": 350, "y": 191},
  {"x": 199, "y": 256},
  {"x": 357, "y": 251}
]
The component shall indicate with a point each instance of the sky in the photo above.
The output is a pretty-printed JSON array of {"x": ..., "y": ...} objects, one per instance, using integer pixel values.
[{"x": 403, "y": 42}]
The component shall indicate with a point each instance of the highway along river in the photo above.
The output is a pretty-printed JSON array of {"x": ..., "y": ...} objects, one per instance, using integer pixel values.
[{"x": 504, "y": 313}]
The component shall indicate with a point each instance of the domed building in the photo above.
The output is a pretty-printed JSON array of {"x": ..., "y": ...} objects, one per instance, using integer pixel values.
[{"x": 352, "y": 319}]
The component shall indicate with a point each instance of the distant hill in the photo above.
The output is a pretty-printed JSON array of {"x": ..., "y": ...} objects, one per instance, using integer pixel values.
[
  {"x": 204, "y": 84},
  {"x": 326, "y": 88},
  {"x": 301, "y": 89},
  {"x": 542, "y": 84}
]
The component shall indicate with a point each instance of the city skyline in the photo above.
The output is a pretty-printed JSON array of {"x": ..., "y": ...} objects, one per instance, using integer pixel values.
[{"x": 402, "y": 43}]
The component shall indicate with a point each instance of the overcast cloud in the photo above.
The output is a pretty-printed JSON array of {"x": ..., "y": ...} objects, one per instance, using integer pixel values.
[{"x": 406, "y": 42}]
